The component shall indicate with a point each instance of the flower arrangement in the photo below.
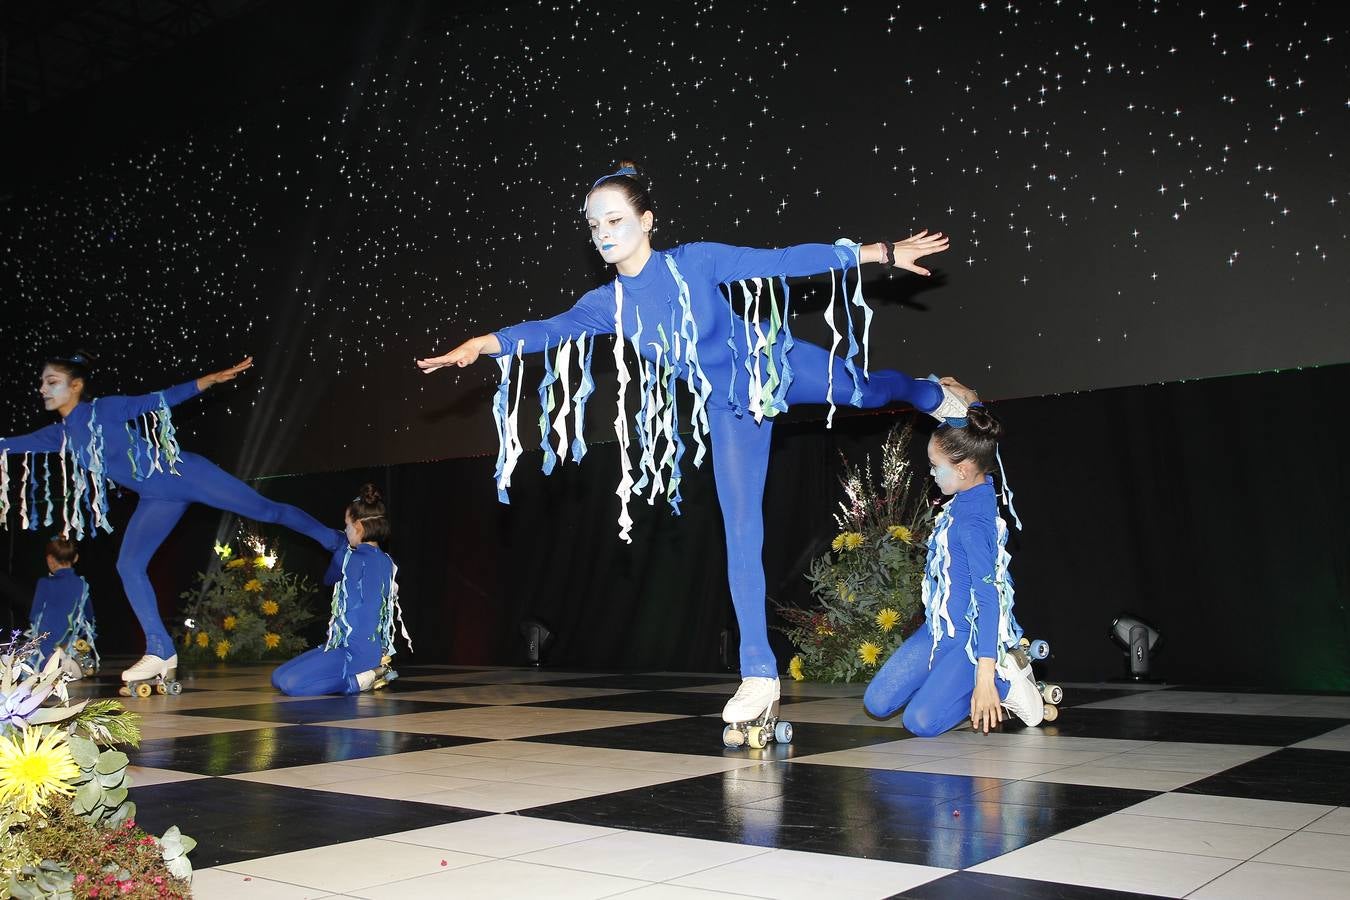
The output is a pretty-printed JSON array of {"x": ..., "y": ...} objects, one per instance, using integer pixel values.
[
  {"x": 869, "y": 586},
  {"x": 67, "y": 828},
  {"x": 248, "y": 607}
]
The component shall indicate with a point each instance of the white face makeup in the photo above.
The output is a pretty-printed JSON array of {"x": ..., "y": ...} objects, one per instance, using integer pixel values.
[
  {"x": 54, "y": 388},
  {"x": 943, "y": 470},
  {"x": 616, "y": 228}
]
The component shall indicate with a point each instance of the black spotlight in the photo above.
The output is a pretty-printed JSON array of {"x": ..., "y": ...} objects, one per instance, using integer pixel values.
[
  {"x": 1138, "y": 639},
  {"x": 538, "y": 637}
]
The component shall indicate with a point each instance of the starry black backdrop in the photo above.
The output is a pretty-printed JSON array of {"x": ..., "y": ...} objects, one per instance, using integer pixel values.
[{"x": 1136, "y": 192}]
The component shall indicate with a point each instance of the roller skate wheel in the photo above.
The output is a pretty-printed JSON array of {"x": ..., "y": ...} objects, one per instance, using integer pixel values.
[
  {"x": 732, "y": 738},
  {"x": 161, "y": 689},
  {"x": 143, "y": 690},
  {"x": 1039, "y": 649},
  {"x": 81, "y": 646},
  {"x": 88, "y": 670},
  {"x": 1051, "y": 712},
  {"x": 175, "y": 688},
  {"x": 1052, "y": 693},
  {"x": 1024, "y": 643},
  {"x": 758, "y": 738},
  {"x": 124, "y": 691},
  {"x": 782, "y": 732}
]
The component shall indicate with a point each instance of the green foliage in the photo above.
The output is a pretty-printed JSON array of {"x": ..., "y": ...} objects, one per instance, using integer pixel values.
[
  {"x": 869, "y": 587},
  {"x": 245, "y": 609},
  {"x": 101, "y": 789},
  {"x": 108, "y": 723}
]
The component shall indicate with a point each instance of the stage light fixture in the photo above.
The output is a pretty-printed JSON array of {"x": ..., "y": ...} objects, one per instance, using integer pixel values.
[
  {"x": 1138, "y": 639},
  {"x": 538, "y": 637}
]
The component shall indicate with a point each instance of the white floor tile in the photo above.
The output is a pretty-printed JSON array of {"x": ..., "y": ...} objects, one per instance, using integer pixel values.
[
  {"x": 1262, "y": 881},
  {"x": 1335, "y": 822},
  {"x": 675, "y": 892},
  {"x": 354, "y": 865},
  {"x": 501, "y": 836},
  {"x": 397, "y": 785},
  {"x": 307, "y": 776},
  {"x": 1239, "y": 842},
  {"x": 1103, "y": 776},
  {"x": 219, "y": 884},
  {"x": 505, "y": 879},
  {"x": 790, "y": 874},
  {"x": 503, "y": 796},
  {"x": 1337, "y": 739},
  {"x": 983, "y": 768},
  {"x": 1312, "y": 849},
  {"x": 861, "y": 759},
  {"x": 1116, "y": 868},
  {"x": 1232, "y": 810},
  {"x": 649, "y": 857}
]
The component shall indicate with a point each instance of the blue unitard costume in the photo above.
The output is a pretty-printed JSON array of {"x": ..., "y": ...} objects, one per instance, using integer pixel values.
[
  {"x": 360, "y": 631},
  {"x": 934, "y": 671},
  {"x": 61, "y": 610},
  {"x": 129, "y": 441},
  {"x": 740, "y": 442}
]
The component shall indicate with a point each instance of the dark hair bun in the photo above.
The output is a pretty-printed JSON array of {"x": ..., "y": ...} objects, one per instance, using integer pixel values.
[
  {"x": 369, "y": 494},
  {"x": 982, "y": 420}
]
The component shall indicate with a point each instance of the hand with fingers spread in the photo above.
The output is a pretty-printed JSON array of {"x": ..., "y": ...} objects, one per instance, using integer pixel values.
[
  {"x": 902, "y": 254},
  {"x": 224, "y": 375},
  {"x": 465, "y": 354},
  {"x": 986, "y": 709},
  {"x": 966, "y": 395}
]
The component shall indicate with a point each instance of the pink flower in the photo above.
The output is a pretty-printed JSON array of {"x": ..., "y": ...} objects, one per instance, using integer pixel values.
[{"x": 80, "y": 878}]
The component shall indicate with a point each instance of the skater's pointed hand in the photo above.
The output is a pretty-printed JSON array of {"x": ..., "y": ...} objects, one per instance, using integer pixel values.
[
  {"x": 465, "y": 354},
  {"x": 915, "y": 246},
  {"x": 986, "y": 710},
  {"x": 224, "y": 375},
  {"x": 966, "y": 395}
]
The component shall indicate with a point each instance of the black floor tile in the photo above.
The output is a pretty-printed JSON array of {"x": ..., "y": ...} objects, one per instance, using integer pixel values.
[
  {"x": 1295, "y": 775},
  {"x": 233, "y": 752},
  {"x": 234, "y": 820},
  {"x": 1186, "y": 727},
  {"x": 703, "y": 736},
  {"x": 322, "y": 709},
  {"x": 1078, "y": 696},
  {"x": 965, "y": 885},
  {"x": 681, "y": 703},
  {"x": 640, "y": 682}
]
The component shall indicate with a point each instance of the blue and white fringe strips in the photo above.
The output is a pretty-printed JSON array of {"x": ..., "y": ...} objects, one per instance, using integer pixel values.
[
  {"x": 1006, "y": 488},
  {"x": 859, "y": 302},
  {"x": 561, "y": 367},
  {"x": 80, "y": 625},
  {"x": 98, "y": 482},
  {"x": 46, "y": 490},
  {"x": 778, "y": 403},
  {"x": 835, "y": 337},
  {"x": 1009, "y": 632},
  {"x": 166, "y": 437},
  {"x": 643, "y": 418},
  {"x": 688, "y": 340},
  {"x": 674, "y": 443},
  {"x": 339, "y": 629},
  {"x": 546, "y": 410},
  {"x": 65, "y": 488},
  {"x": 509, "y": 448},
  {"x": 28, "y": 475},
  {"x": 625, "y": 488},
  {"x": 587, "y": 387},
  {"x": 390, "y": 613},
  {"x": 755, "y": 346},
  {"x": 937, "y": 585},
  {"x": 855, "y": 399}
]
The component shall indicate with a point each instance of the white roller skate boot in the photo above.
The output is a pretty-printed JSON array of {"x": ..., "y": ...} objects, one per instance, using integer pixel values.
[
  {"x": 752, "y": 716},
  {"x": 63, "y": 661},
  {"x": 376, "y": 679},
  {"x": 1024, "y": 698},
  {"x": 151, "y": 674},
  {"x": 951, "y": 407}
]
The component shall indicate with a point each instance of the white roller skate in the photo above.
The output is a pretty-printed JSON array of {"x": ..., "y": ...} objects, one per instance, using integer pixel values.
[
  {"x": 376, "y": 679},
  {"x": 1024, "y": 698},
  {"x": 752, "y": 716},
  {"x": 84, "y": 655},
  {"x": 151, "y": 674},
  {"x": 951, "y": 407}
]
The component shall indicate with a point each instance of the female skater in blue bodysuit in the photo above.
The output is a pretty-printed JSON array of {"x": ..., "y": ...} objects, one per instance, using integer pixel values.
[
  {"x": 619, "y": 213},
  {"x": 130, "y": 441},
  {"x": 365, "y": 606}
]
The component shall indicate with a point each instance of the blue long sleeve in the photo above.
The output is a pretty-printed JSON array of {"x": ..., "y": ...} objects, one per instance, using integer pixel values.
[
  {"x": 593, "y": 314},
  {"x": 724, "y": 262},
  {"x": 45, "y": 440},
  {"x": 120, "y": 409},
  {"x": 977, "y": 537}
]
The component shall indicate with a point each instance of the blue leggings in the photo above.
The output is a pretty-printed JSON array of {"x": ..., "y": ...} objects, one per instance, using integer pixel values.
[
  {"x": 740, "y": 449},
  {"x": 164, "y": 499},
  {"x": 319, "y": 671},
  {"x": 936, "y": 699}
]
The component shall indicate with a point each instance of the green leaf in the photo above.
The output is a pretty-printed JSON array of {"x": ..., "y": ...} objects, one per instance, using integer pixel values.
[
  {"x": 113, "y": 780},
  {"x": 110, "y": 761},
  {"x": 114, "y": 797},
  {"x": 88, "y": 798}
]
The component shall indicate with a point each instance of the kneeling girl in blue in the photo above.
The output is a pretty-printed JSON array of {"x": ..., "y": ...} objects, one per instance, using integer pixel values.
[
  {"x": 62, "y": 615},
  {"x": 365, "y": 612},
  {"x": 962, "y": 667}
]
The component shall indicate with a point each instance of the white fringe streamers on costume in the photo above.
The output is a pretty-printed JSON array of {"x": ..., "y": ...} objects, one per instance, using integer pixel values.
[
  {"x": 625, "y": 488},
  {"x": 835, "y": 338},
  {"x": 937, "y": 585},
  {"x": 698, "y": 417},
  {"x": 1009, "y": 632},
  {"x": 561, "y": 366}
]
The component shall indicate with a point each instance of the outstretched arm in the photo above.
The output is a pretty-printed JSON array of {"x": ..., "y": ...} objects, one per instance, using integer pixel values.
[
  {"x": 124, "y": 408},
  {"x": 727, "y": 263},
  {"x": 44, "y": 440},
  {"x": 593, "y": 314}
]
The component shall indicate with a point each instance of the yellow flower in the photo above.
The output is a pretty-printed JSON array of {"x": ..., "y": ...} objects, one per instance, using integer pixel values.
[
  {"x": 269, "y": 607},
  {"x": 261, "y": 563},
  {"x": 795, "y": 668},
  {"x": 900, "y": 533},
  {"x": 887, "y": 618},
  {"x": 203, "y": 639},
  {"x": 222, "y": 649},
  {"x": 849, "y": 540},
  {"x": 224, "y": 551},
  {"x": 271, "y": 640},
  {"x": 229, "y": 623},
  {"x": 844, "y": 592},
  {"x": 824, "y": 629},
  {"x": 34, "y": 767},
  {"x": 253, "y": 584},
  {"x": 869, "y": 652},
  {"x": 236, "y": 563},
  {"x": 837, "y": 543}
]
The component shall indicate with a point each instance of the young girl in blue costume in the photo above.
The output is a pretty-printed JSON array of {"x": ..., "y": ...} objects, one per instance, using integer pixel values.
[
  {"x": 365, "y": 608},
  {"x": 130, "y": 442},
  {"x": 62, "y": 611},
  {"x": 675, "y": 294},
  {"x": 962, "y": 666}
]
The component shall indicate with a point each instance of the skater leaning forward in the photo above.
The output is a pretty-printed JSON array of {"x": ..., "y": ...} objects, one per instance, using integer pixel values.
[
  {"x": 968, "y": 662},
  {"x": 669, "y": 305}
]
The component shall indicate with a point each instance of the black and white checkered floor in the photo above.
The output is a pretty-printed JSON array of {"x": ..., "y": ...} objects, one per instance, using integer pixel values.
[{"x": 524, "y": 782}]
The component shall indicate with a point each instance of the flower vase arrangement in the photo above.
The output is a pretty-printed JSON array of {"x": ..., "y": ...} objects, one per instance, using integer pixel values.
[
  {"x": 245, "y": 608},
  {"x": 869, "y": 587},
  {"x": 67, "y": 829}
]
